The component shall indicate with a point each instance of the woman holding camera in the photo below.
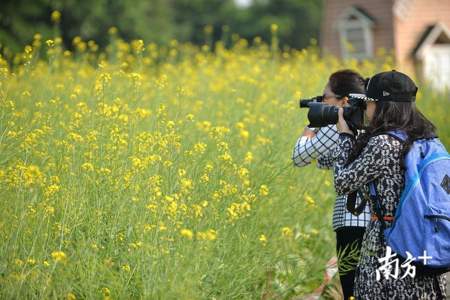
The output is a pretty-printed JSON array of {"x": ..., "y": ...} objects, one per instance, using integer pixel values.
[
  {"x": 377, "y": 157},
  {"x": 319, "y": 145}
]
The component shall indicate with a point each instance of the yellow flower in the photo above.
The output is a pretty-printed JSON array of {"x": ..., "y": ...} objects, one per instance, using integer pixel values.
[
  {"x": 186, "y": 184},
  {"x": 28, "y": 49},
  {"x": 11, "y": 134},
  {"x": 152, "y": 207},
  {"x": 190, "y": 117},
  {"x": 172, "y": 208},
  {"x": 240, "y": 125},
  {"x": 286, "y": 232},
  {"x": 248, "y": 158},
  {"x": 123, "y": 118},
  {"x": 309, "y": 200},
  {"x": 18, "y": 261},
  {"x": 49, "y": 210},
  {"x": 274, "y": 28},
  {"x": 200, "y": 148},
  {"x": 181, "y": 172},
  {"x": 142, "y": 112},
  {"x": 126, "y": 268},
  {"x": 71, "y": 296},
  {"x": 170, "y": 124},
  {"x": 226, "y": 157},
  {"x": 244, "y": 134},
  {"x": 59, "y": 256},
  {"x": 211, "y": 235},
  {"x": 263, "y": 239},
  {"x": 112, "y": 30},
  {"x": 54, "y": 179},
  {"x": 87, "y": 167},
  {"x": 75, "y": 137},
  {"x": 106, "y": 293},
  {"x": 243, "y": 172},
  {"x": 32, "y": 175},
  {"x": 137, "y": 163},
  {"x": 198, "y": 210},
  {"x": 56, "y": 16},
  {"x": 263, "y": 190},
  {"x": 209, "y": 167},
  {"x": 104, "y": 171},
  {"x": 204, "y": 178},
  {"x": 186, "y": 233},
  {"x": 263, "y": 140},
  {"x": 137, "y": 45},
  {"x": 51, "y": 190}
]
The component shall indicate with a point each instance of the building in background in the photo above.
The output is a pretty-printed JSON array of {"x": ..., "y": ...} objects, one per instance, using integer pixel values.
[{"x": 417, "y": 31}]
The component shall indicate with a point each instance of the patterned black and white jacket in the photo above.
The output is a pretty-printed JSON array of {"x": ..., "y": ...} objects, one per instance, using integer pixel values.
[{"x": 321, "y": 147}]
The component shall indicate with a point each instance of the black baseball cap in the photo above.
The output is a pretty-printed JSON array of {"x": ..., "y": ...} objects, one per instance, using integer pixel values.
[{"x": 391, "y": 86}]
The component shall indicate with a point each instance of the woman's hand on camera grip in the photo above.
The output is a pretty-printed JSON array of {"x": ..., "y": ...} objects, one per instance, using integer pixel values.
[
  {"x": 308, "y": 132},
  {"x": 342, "y": 125}
]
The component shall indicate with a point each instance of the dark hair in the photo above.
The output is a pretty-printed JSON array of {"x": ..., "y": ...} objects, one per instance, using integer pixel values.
[
  {"x": 344, "y": 82},
  {"x": 391, "y": 115}
]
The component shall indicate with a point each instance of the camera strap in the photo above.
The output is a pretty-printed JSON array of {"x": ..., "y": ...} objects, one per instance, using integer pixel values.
[
  {"x": 353, "y": 128},
  {"x": 351, "y": 203}
]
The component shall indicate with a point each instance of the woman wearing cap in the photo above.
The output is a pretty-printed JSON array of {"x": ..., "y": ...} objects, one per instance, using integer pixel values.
[{"x": 377, "y": 157}]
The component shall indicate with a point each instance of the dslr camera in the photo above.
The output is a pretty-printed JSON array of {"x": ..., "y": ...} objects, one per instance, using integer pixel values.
[{"x": 321, "y": 114}]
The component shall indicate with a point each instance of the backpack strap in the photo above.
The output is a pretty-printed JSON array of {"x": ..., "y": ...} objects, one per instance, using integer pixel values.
[
  {"x": 377, "y": 207},
  {"x": 398, "y": 134},
  {"x": 402, "y": 136}
]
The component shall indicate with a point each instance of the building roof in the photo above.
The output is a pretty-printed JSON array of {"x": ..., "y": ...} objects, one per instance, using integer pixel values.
[
  {"x": 358, "y": 12},
  {"x": 436, "y": 33}
]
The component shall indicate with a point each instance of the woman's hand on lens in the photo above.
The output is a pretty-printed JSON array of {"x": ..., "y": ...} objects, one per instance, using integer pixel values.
[{"x": 341, "y": 125}]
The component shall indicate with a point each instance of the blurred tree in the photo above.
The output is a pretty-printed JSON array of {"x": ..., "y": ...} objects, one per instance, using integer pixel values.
[
  {"x": 135, "y": 19},
  {"x": 298, "y": 20},
  {"x": 159, "y": 20},
  {"x": 148, "y": 20},
  {"x": 192, "y": 17},
  {"x": 19, "y": 20}
]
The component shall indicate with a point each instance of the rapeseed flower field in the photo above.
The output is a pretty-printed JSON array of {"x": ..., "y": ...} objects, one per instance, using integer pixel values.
[{"x": 143, "y": 171}]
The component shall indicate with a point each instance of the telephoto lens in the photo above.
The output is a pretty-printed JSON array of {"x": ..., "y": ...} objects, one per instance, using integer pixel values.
[
  {"x": 321, "y": 114},
  {"x": 305, "y": 102}
]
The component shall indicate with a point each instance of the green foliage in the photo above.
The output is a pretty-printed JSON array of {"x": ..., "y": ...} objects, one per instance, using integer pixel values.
[
  {"x": 159, "y": 20},
  {"x": 20, "y": 19},
  {"x": 298, "y": 21}
]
